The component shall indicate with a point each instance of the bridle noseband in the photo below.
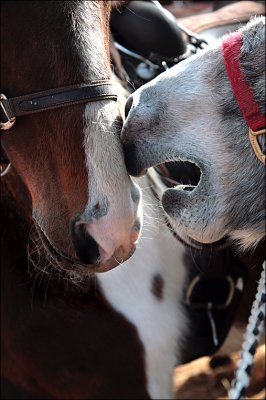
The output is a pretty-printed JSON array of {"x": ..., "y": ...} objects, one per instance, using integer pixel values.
[{"x": 53, "y": 98}]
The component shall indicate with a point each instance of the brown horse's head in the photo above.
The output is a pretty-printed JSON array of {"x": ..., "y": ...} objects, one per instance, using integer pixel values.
[{"x": 70, "y": 160}]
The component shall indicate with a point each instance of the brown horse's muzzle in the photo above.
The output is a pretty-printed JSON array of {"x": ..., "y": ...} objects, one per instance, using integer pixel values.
[{"x": 98, "y": 239}]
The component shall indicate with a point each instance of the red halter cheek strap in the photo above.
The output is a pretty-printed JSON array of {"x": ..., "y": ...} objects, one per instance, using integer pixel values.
[{"x": 255, "y": 119}]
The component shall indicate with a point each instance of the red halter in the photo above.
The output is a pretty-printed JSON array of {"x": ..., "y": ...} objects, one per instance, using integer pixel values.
[{"x": 250, "y": 109}]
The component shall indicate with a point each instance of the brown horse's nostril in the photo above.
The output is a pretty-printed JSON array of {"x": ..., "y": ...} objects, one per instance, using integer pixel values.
[
  {"x": 86, "y": 247},
  {"x": 128, "y": 105}
]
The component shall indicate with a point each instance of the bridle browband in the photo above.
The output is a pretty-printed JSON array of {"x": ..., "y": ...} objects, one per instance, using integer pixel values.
[
  {"x": 53, "y": 98},
  {"x": 255, "y": 119}
]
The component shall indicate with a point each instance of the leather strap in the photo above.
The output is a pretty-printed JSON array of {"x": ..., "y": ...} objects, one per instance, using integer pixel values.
[
  {"x": 59, "y": 97},
  {"x": 231, "y": 47},
  {"x": 210, "y": 301},
  {"x": 255, "y": 118}
]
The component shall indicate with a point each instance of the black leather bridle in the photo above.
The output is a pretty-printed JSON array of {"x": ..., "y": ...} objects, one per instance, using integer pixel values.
[
  {"x": 50, "y": 99},
  {"x": 14, "y": 107}
]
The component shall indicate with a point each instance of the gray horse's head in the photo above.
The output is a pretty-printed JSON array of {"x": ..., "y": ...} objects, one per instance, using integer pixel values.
[{"x": 190, "y": 113}]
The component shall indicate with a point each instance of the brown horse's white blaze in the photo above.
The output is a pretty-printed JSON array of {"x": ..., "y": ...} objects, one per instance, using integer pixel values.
[
  {"x": 112, "y": 216},
  {"x": 83, "y": 203},
  {"x": 190, "y": 113}
]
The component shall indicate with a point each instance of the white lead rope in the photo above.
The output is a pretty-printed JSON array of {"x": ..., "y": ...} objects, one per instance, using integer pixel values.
[{"x": 250, "y": 343}]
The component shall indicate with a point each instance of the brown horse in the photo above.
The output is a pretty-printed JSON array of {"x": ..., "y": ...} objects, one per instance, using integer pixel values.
[
  {"x": 67, "y": 164},
  {"x": 67, "y": 190},
  {"x": 69, "y": 211}
]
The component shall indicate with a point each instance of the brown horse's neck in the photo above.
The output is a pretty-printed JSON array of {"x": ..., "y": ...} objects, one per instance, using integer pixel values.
[
  {"x": 15, "y": 227},
  {"x": 23, "y": 259}
]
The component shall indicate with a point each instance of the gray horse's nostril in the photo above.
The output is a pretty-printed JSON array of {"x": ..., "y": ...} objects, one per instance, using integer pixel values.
[
  {"x": 128, "y": 105},
  {"x": 86, "y": 247},
  {"x": 132, "y": 161}
]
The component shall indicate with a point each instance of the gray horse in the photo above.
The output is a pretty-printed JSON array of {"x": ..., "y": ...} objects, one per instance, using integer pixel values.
[{"x": 190, "y": 113}]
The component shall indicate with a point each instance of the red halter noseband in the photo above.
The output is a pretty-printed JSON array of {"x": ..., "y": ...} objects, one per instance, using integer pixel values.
[{"x": 255, "y": 119}]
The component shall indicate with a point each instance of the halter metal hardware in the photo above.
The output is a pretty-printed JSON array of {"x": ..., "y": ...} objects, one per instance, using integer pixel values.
[
  {"x": 253, "y": 137},
  {"x": 5, "y": 164},
  {"x": 4, "y": 171},
  {"x": 208, "y": 305},
  {"x": 6, "y": 120}
]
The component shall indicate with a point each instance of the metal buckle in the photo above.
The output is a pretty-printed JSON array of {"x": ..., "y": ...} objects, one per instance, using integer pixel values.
[
  {"x": 5, "y": 125},
  {"x": 4, "y": 171},
  {"x": 210, "y": 304},
  {"x": 5, "y": 164},
  {"x": 253, "y": 137}
]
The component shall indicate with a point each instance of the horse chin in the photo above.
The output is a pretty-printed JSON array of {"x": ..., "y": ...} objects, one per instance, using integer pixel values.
[
  {"x": 187, "y": 205},
  {"x": 194, "y": 244},
  {"x": 72, "y": 264},
  {"x": 193, "y": 214}
]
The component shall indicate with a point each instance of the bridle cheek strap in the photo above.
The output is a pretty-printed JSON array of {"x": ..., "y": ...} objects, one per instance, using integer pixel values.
[{"x": 255, "y": 119}]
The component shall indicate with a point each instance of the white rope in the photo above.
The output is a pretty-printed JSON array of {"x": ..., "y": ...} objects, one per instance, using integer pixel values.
[{"x": 250, "y": 344}]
